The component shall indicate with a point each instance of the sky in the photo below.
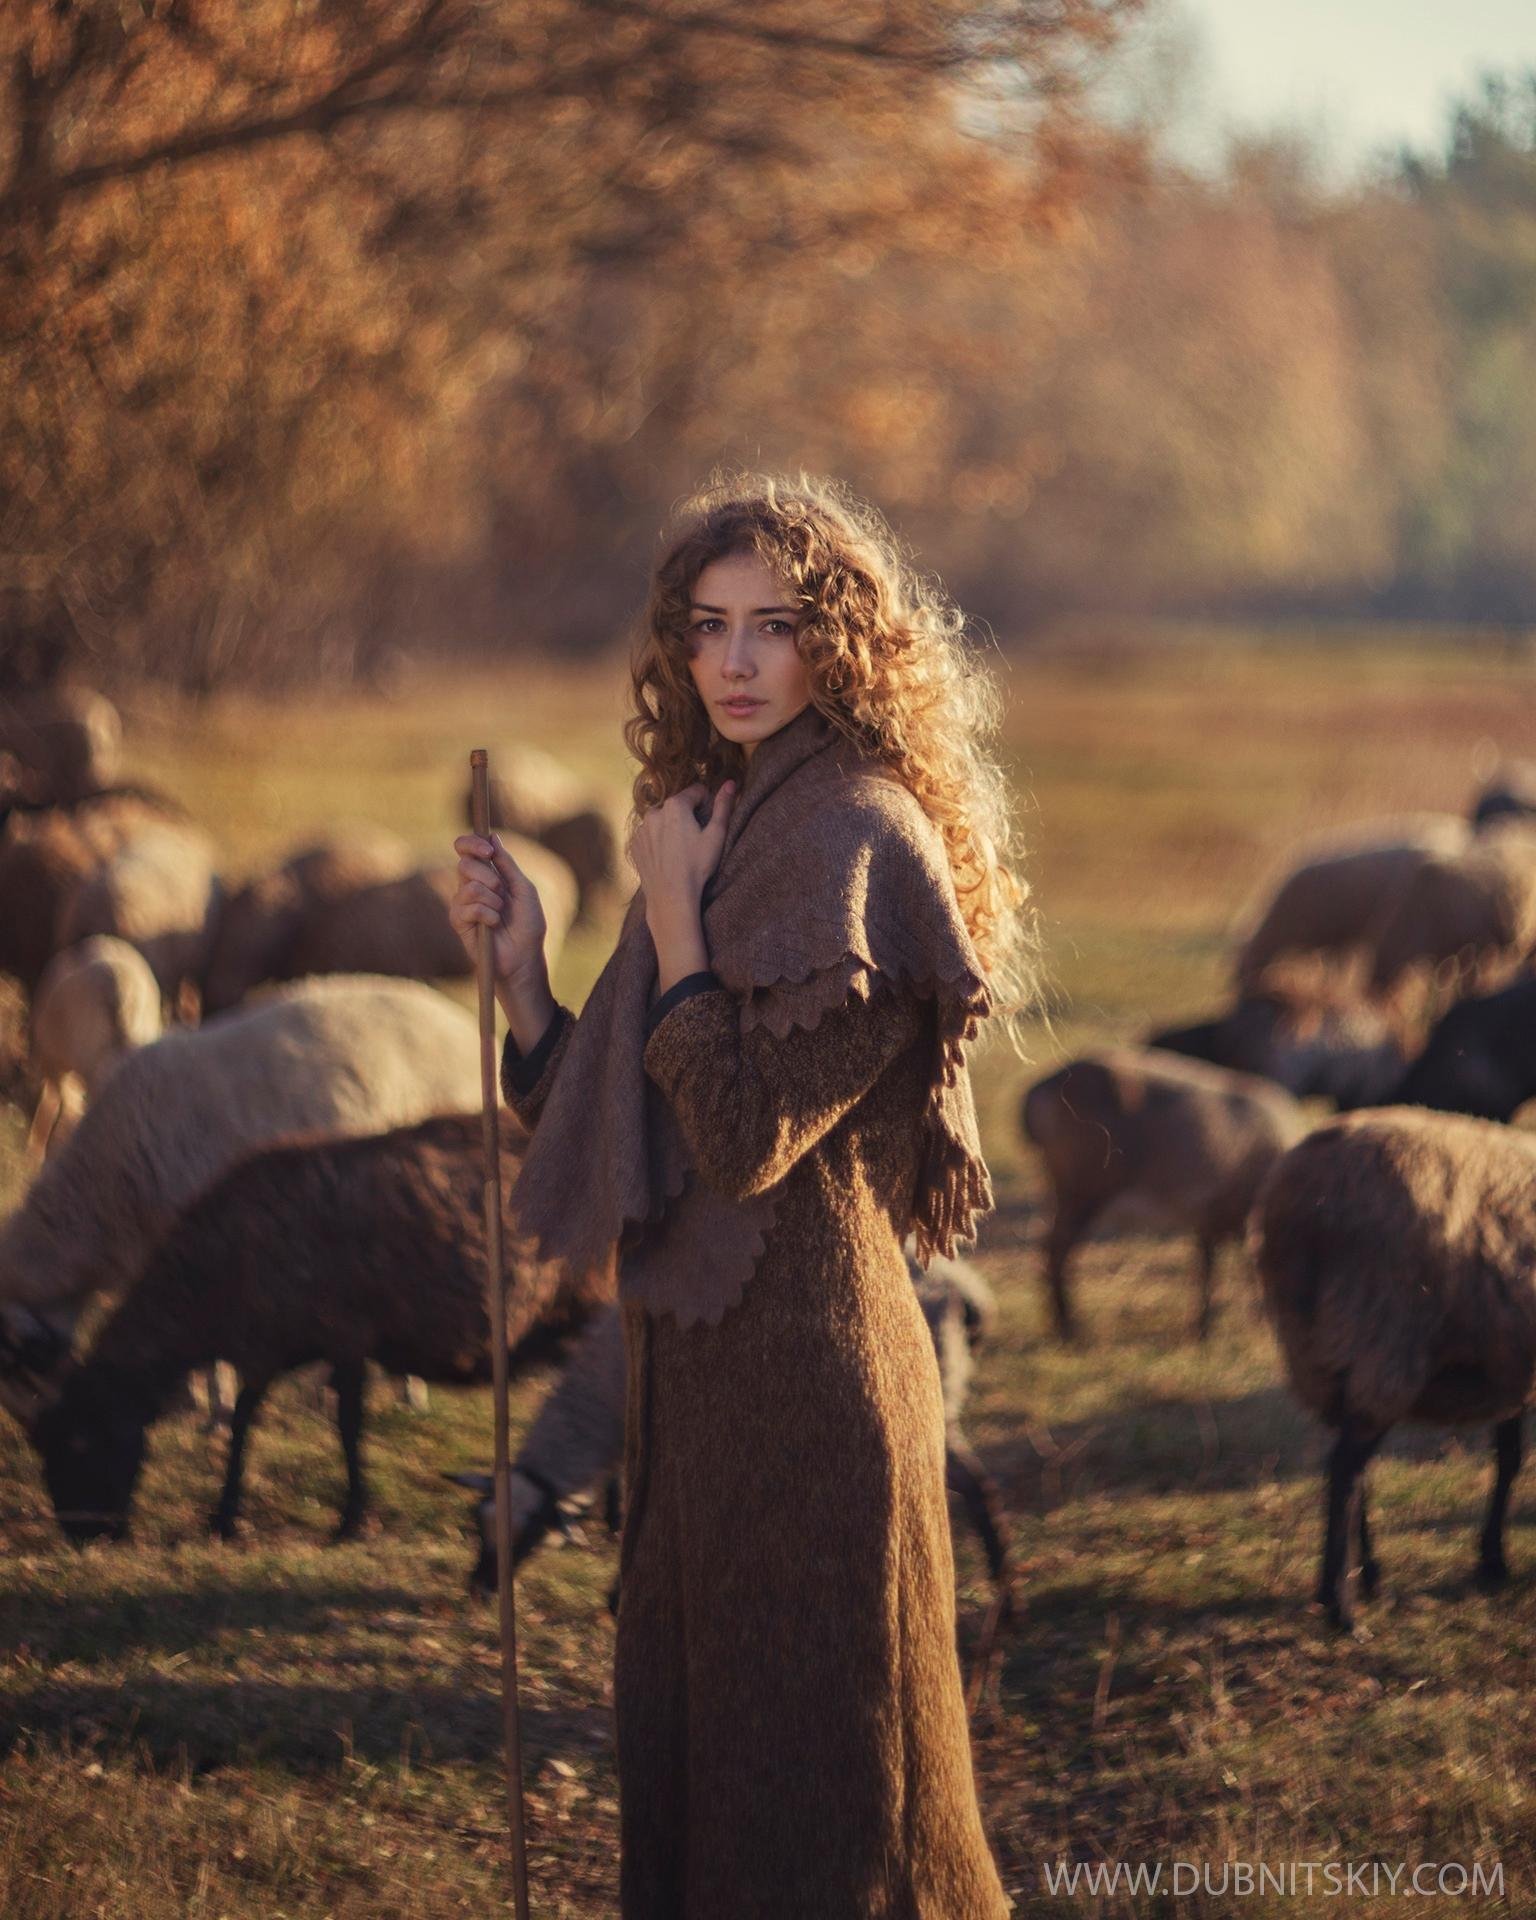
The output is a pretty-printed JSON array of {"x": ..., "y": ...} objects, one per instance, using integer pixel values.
[{"x": 1366, "y": 75}]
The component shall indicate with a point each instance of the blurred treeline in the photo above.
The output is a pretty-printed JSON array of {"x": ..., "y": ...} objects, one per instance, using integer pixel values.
[{"x": 330, "y": 327}]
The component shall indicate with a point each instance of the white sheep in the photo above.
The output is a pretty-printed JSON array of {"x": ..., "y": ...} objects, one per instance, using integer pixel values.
[
  {"x": 95, "y": 1002},
  {"x": 340, "y": 1056},
  {"x": 1397, "y": 1253}
]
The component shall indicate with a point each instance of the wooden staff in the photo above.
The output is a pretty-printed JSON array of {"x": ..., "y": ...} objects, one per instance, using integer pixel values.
[{"x": 496, "y": 1314}]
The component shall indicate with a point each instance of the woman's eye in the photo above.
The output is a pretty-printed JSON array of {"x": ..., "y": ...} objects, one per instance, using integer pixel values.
[
  {"x": 780, "y": 626},
  {"x": 710, "y": 625}
]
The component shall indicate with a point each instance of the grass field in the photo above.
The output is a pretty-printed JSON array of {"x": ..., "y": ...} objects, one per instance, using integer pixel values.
[{"x": 284, "y": 1728}]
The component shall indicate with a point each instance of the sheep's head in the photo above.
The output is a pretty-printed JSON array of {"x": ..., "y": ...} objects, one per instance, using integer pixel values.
[
  {"x": 91, "y": 1444},
  {"x": 33, "y": 1352}
]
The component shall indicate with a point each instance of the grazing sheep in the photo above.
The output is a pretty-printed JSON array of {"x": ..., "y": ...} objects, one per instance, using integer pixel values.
[
  {"x": 95, "y": 1002},
  {"x": 1396, "y": 1250},
  {"x": 340, "y": 1056},
  {"x": 1151, "y": 1139},
  {"x": 1314, "y": 1039},
  {"x": 1472, "y": 913},
  {"x": 1335, "y": 901},
  {"x": 342, "y": 1251},
  {"x": 159, "y": 892},
  {"x": 44, "y": 856},
  {"x": 261, "y": 921},
  {"x": 1510, "y": 794},
  {"x": 588, "y": 843},
  {"x": 1480, "y": 1059},
  {"x": 576, "y": 1441},
  {"x": 397, "y": 927},
  {"x": 66, "y": 741}
]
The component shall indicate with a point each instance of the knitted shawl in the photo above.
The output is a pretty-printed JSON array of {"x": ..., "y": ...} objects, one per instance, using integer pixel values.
[{"x": 831, "y": 874}]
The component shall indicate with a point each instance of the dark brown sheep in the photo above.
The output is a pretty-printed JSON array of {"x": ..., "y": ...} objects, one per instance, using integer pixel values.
[
  {"x": 341, "y": 1251},
  {"x": 1396, "y": 1250}
]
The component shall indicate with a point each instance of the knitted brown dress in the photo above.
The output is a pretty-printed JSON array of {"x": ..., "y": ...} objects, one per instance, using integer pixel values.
[{"x": 792, "y": 1736}]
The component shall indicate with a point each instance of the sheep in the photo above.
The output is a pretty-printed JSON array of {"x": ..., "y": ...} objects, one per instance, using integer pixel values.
[
  {"x": 304, "y": 920},
  {"x": 1396, "y": 1250},
  {"x": 1333, "y": 902},
  {"x": 402, "y": 927},
  {"x": 1471, "y": 915},
  {"x": 1152, "y": 1139},
  {"x": 1480, "y": 1058},
  {"x": 342, "y": 1251},
  {"x": 67, "y": 741},
  {"x": 1510, "y": 794},
  {"x": 94, "y": 1002},
  {"x": 46, "y": 853},
  {"x": 1313, "y": 1037},
  {"x": 341, "y": 1056},
  {"x": 159, "y": 892},
  {"x": 262, "y": 920},
  {"x": 576, "y": 1440}
]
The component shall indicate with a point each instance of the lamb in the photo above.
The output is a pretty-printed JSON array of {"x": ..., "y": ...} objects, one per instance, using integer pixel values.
[
  {"x": 44, "y": 855},
  {"x": 1480, "y": 1058},
  {"x": 1472, "y": 914},
  {"x": 1396, "y": 1250},
  {"x": 1335, "y": 901},
  {"x": 342, "y": 1251},
  {"x": 95, "y": 1002},
  {"x": 1152, "y": 1139},
  {"x": 340, "y": 1056},
  {"x": 576, "y": 1441},
  {"x": 67, "y": 742},
  {"x": 160, "y": 893}
]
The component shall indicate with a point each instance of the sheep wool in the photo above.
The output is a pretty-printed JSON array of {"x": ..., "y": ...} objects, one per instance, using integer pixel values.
[{"x": 791, "y": 1728}]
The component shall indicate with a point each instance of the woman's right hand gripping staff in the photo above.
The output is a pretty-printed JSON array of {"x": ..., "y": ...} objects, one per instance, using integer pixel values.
[{"x": 494, "y": 892}]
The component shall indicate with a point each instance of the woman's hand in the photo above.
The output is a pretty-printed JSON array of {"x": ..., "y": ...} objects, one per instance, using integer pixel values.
[
  {"x": 493, "y": 891},
  {"x": 674, "y": 855}
]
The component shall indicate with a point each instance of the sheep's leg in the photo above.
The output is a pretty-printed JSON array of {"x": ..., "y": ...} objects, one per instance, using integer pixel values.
[
  {"x": 348, "y": 1379},
  {"x": 44, "y": 1119},
  {"x": 225, "y": 1515},
  {"x": 1205, "y": 1281},
  {"x": 1351, "y": 1451},
  {"x": 1068, "y": 1225},
  {"x": 965, "y": 1475},
  {"x": 1508, "y": 1448},
  {"x": 1370, "y": 1566}
]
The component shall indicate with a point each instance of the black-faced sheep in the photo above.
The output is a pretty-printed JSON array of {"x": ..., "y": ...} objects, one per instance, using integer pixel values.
[
  {"x": 1316, "y": 1039},
  {"x": 576, "y": 1440},
  {"x": 339, "y": 1056},
  {"x": 1510, "y": 794},
  {"x": 1136, "y": 1137},
  {"x": 1396, "y": 1250},
  {"x": 336, "y": 1251},
  {"x": 1480, "y": 1058}
]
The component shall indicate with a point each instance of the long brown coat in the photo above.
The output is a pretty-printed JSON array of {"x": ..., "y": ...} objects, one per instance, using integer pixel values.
[{"x": 792, "y": 1737}]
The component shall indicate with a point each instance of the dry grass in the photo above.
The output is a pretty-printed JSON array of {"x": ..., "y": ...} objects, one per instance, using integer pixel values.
[{"x": 288, "y": 1729}]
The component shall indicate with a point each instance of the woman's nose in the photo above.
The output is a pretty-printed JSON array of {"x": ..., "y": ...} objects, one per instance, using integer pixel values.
[{"x": 738, "y": 657}]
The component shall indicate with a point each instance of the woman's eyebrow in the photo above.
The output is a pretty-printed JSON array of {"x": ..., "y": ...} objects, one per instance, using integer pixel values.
[{"x": 699, "y": 607}]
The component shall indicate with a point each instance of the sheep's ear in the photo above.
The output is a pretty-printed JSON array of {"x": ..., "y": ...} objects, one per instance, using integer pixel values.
[{"x": 481, "y": 1483}]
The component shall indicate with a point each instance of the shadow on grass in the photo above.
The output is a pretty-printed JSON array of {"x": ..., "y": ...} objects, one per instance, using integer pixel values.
[{"x": 207, "y": 1724}]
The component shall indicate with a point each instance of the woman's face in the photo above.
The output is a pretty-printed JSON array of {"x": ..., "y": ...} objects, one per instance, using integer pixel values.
[{"x": 741, "y": 648}]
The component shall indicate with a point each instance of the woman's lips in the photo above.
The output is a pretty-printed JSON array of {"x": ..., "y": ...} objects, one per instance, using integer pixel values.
[{"x": 741, "y": 706}]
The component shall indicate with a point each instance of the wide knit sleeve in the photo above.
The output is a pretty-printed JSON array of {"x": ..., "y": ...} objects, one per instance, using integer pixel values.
[
  {"x": 751, "y": 1105},
  {"x": 526, "y": 1078}
]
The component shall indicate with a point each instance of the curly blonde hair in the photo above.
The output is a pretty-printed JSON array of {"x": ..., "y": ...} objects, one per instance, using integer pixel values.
[{"x": 890, "y": 666}]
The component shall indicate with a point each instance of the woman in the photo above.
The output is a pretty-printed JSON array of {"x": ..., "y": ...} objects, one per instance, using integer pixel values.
[{"x": 765, "y": 1091}]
